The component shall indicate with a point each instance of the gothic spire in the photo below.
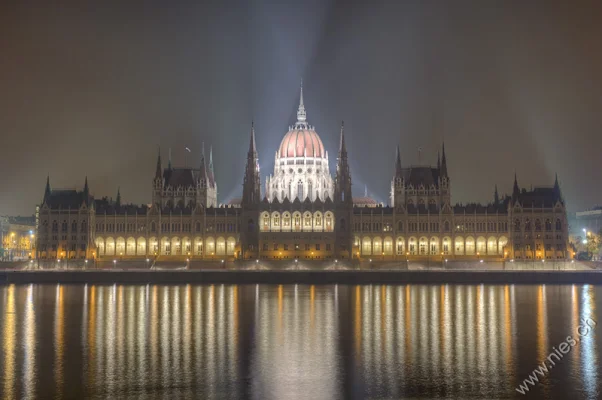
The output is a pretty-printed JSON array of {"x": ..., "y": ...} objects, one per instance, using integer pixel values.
[
  {"x": 203, "y": 168},
  {"x": 252, "y": 180},
  {"x": 365, "y": 190},
  {"x": 159, "y": 168},
  {"x": 557, "y": 193},
  {"x": 342, "y": 147},
  {"x": 515, "y": 188},
  {"x": 443, "y": 162},
  {"x": 438, "y": 160},
  {"x": 252, "y": 146},
  {"x": 169, "y": 160},
  {"x": 398, "y": 169},
  {"x": 496, "y": 197},
  {"x": 118, "y": 200},
  {"x": 301, "y": 116},
  {"x": 47, "y": 191}
]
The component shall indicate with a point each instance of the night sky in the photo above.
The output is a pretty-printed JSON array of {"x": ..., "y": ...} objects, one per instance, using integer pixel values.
[{"x": 95, "y": 89}]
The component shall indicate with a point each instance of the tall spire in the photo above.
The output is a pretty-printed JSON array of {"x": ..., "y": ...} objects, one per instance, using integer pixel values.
[
  {"x": 342, "y": 184},
  {"x": 557, "y": 193},
  {"x": 118, "y": 200},
  {"x": 159, "y": 168},
  {"x": 398, "y": 169},
  {"x": 47, "y": 191},
  {"x": 252, "y": 146},
  {"x": 203, "y": 169},
  {"x": 252, "y": 180},
  {"x": 496, "y": 197},
  {"x": 169, "y": 160},
  {"x": 365, "y": 190},
  {"x": 301, "y": 116},
  {"x": 86, "y": 189},
  {"x": 443, "y": 162},
  {"x": 211, "y": 175},
  {"x": 515, "y": 188},
  {"x": 342, "y": 148},
  {"x": 438, "y": 160}
]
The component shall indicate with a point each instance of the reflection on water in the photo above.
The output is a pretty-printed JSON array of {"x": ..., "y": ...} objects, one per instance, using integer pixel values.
[{"x": 295, "y": 341}]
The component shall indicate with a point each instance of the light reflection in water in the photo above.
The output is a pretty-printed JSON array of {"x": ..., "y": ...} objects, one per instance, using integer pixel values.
[{"x": 274, "y": 342}]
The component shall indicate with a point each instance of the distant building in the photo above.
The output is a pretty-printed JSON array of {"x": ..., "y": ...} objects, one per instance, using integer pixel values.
[
  {"x": 590, "y": 220},
  {"x": 17, "y": 238},
  {"x": 304, "y": 212}
]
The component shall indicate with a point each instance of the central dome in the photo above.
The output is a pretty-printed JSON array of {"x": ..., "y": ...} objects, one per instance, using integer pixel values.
[{"x": 301, "y": 143}]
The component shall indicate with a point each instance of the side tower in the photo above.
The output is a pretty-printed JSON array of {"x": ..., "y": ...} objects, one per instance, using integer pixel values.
[
  {"x": 444, "y": 183},
  {"x": 343, "y": 202},
  {"x": 397, "y": 198},
  {"x": 251, "y": 197}
]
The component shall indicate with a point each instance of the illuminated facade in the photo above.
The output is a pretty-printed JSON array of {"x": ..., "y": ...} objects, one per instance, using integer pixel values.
[{"x": 304, "y": 213}]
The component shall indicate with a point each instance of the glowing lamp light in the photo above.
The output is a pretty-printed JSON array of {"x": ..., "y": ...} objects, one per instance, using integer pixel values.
[
  {"x": 114, "y": 261},
  {"x": 336, "y": 261},
  {"x": 222, "y": 261},
  {"x": 481, "y": 261},
  {"x": 370, "y": 260},
  {"x": 256, "y": 261},
  {"x": 147, "y": 260}
]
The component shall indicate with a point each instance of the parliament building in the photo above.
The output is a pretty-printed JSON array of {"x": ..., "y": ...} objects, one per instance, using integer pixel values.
[{"x": 304, "y": 212}]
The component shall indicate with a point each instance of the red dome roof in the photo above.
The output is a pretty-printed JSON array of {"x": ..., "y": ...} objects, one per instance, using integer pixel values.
[{"x": 299, "y": 143}]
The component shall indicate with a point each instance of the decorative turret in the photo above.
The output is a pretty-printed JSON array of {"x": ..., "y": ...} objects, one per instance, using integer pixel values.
[
  {"x": 398, "y": 169},
  {"x": 47, "y": 191},
  {"x": 443, "y": 167},
  {"x": 252, "y": 181},
  {"x": 557, "y": 192},
  {"x": 159, "y": 168},
  {"x": 515, "y": 189},
  {"x": 342, "y": 184},
  {"x": 118, "y": 199},
  {"x": 86, "y": 192},
  {"x": 301, "y": 116}
]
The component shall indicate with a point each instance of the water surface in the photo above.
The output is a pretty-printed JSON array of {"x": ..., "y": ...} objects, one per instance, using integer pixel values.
[{"x": 296, "y": 341}]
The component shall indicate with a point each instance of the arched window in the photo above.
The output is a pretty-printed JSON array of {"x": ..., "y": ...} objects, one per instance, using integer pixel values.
[
  {"x": 309, "y": 189},
  {"x": 84, "y": 226},
  {"x": 400, "y": 226},
  {"x": 300, "y": 191},
  {"x": 558, "y": 225},
  {"x": 517, "y": 225},
  {"x": 64, "y": 226},
  {"x": 74, "y": 226},
  {"x": 548, "y": 225},
  {"x": 446, "y": 226},
  {"x": 153, "y": 227},
  {"x": 527, "y": 224},
  {"x": 251, "y": 225},
  {"x": 538, "y": 225},
  {"x": 55, "y": 226},
  {"x": 198, "y": 226}
]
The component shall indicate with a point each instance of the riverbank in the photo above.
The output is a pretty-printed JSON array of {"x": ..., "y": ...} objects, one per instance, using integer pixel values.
[{"x": 349, "y": 277}]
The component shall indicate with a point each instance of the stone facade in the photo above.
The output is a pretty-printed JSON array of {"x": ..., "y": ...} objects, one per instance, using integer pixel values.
[{"x": 304, "y": 213}]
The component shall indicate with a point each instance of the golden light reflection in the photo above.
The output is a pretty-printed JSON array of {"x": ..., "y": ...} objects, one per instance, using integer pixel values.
[
  {"x": 59, "y": 340},
  {"x": 8, "y": 336},
  {"x": 29, "y": 356},
  {"x": 358, "y": 321}
]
